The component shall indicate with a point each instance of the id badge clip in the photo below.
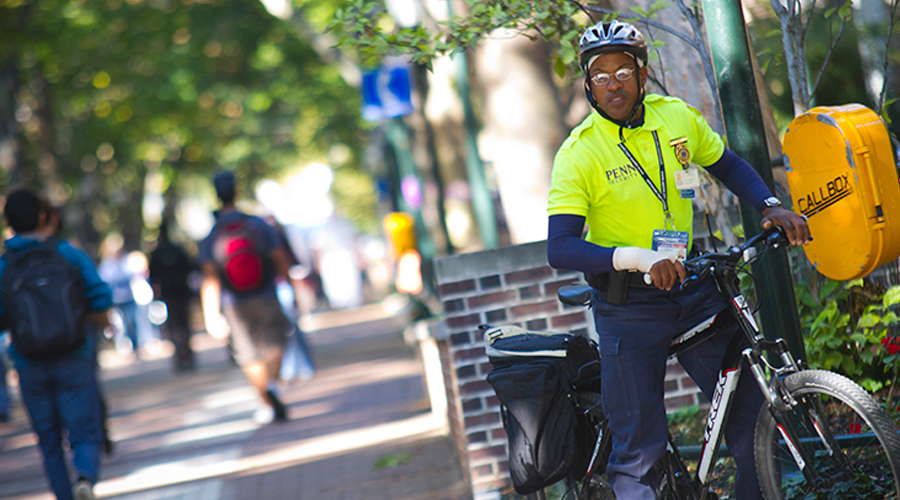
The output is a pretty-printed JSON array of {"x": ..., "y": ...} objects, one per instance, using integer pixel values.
[{"x": 671, "y": 243}]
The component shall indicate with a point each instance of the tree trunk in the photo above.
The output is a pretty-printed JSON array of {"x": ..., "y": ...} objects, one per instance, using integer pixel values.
[
  {"x": 10, "y": 135},
  {"x": 523, "y": 128}
]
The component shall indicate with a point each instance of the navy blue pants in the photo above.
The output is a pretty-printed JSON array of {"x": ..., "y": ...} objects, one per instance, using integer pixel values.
[
  {"x": 61, "y": 395},
  {"x": 634, "y": 343}
]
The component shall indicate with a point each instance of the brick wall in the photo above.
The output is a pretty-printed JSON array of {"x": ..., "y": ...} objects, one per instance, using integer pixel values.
[{"x": 510, "y": 285}]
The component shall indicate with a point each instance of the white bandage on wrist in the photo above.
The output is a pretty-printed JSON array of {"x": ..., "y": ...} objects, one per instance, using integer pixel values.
[{"x": 637, "y": 259}]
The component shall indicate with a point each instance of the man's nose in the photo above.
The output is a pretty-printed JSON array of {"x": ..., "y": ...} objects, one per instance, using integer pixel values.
[{"x": 613, "y": 84}]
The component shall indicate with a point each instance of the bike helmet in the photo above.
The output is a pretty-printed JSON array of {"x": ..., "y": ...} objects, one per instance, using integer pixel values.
[{"x": 611, "y": 36}]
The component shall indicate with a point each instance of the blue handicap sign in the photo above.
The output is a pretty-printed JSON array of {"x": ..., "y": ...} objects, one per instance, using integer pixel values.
[{"x": 387, "y": 93}]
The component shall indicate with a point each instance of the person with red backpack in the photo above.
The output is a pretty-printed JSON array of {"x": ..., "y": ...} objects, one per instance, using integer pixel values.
[{"x": 241, "y": 258}]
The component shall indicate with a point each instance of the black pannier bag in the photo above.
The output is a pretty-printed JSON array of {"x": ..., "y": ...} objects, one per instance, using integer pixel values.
[{"x": 533, "y": 376}]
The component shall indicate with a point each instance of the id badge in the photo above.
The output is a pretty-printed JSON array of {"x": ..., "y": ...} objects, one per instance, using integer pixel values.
[
  {"x": 687, "y": 181},
  {"x": 673, "y": 243}
]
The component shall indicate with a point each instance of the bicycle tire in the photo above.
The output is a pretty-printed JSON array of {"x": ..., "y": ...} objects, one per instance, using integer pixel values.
[{"x": 866, "y": 438}]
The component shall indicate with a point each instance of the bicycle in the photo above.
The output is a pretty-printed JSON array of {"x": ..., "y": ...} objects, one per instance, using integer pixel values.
[{"x": 819, "y": 434}]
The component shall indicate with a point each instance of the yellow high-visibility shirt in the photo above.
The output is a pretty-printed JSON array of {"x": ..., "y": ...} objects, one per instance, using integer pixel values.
[{"x": 592, "y": 176}]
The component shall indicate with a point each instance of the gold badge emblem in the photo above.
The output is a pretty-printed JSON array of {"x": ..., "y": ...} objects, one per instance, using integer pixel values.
[{"x": 681, "y": 151}]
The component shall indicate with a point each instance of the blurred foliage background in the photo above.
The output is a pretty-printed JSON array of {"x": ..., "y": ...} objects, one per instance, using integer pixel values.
[{"x": 101, "y": 101}]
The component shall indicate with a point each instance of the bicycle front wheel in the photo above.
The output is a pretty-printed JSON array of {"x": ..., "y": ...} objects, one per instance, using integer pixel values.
[{"x": 849, "y": 447}]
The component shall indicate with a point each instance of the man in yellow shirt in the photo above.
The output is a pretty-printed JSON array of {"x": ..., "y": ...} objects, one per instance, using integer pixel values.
[{"x": 629, "y": 172}]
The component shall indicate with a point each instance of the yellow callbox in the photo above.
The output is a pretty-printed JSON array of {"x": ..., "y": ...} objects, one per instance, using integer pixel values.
[
  {"x": 400, "y": 232},
  {"x": 842, "y": 176}
]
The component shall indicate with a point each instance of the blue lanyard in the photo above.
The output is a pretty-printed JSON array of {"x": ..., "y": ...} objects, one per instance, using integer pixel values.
[{"x": 660, "y": 192}]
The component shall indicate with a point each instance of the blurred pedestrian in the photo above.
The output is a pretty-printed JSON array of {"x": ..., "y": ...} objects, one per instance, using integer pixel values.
[
  {"x": 297, "y": 362},
  {"x": 57, "y": 376},
  {"x": 115, "y": 271},
  {"x": 54, "y": 229},
  {"x": 240, "y": 259},
  {"x": 170, "y": 268}
]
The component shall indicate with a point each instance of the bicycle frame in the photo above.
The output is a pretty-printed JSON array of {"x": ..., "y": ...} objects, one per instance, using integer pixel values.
[{"x": 749, "y": 347}]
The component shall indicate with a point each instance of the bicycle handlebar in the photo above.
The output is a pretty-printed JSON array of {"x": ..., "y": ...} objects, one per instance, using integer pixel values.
[
  {"x": 698, "y": 268},
  {"x": 702, "y": 266}
]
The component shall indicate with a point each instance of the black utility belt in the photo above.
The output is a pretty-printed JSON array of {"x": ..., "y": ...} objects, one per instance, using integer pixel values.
[{"x": 616, "y": 284}]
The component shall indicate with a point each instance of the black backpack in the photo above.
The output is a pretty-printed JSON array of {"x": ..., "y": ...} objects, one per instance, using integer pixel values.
[
  {"x": 533, "y": 375},
  {"x": 44, "y": 301}
]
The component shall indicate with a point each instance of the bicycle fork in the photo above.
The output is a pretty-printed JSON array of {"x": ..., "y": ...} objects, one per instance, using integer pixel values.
[{"x": 781, "y": 402}]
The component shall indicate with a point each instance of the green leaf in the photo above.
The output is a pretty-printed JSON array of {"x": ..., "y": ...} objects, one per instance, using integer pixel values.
[
  {"x": 392, "y": 461},
  {"x": 832, "y": 359},
  {"x": 891, "y": 296},
  {"x": 868, "y": 320},
  {"x": 559, "y": 67},
  {"x": 829, "y": 287},
  {"x": 846, "y": 10}
]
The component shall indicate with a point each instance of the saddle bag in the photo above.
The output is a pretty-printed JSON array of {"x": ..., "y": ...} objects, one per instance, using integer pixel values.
[{"x": 534, "y": 375}]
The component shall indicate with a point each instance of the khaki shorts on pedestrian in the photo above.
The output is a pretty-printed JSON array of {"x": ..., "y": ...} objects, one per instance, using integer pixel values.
[{"x": 258, "y": 327}]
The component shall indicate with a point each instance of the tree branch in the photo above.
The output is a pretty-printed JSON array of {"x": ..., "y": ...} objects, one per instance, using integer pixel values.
[{"x": 828, "y": 55}]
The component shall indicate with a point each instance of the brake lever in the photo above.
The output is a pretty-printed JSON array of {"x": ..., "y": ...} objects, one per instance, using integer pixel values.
[
  {"x": 695, "y": 277},
  {"x": 687, "y": 281}
]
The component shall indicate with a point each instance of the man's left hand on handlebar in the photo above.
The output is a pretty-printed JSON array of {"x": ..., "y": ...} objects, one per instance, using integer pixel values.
[{"x": 794, "y": 225}]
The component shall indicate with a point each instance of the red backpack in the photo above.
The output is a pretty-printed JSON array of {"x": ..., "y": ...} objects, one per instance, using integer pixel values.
[{"x": 236, "y": 251}]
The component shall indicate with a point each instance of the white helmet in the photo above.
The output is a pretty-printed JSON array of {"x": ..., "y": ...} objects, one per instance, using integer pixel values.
[{"x": 611, "y": 36}]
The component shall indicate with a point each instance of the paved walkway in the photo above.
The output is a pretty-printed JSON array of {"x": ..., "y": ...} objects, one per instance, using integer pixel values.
[{"x": 362, "y": 428}]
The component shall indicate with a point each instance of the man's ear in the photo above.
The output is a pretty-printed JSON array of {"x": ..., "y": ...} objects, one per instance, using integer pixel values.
[{"x": 643, "y": 75}]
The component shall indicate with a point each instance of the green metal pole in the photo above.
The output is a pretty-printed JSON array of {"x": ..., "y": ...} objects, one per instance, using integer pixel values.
[
  {"x": 398, "y": 135},
  {"x": 482, "y": 203},
  {"x": 746, "y": 136}
]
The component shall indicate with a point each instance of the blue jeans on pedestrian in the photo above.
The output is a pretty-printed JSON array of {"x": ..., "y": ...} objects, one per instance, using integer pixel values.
[
  {"x": 61, "y": 395},
  {"x": 634, "y": 344},
  {"x": 129, "y": 311}
]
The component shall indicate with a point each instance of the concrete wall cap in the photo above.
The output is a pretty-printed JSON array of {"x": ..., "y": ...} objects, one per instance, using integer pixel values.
[{"x": 502, "y": 260}]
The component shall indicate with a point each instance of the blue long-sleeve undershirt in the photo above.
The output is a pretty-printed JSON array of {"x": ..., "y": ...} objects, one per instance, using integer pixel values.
[{"x": 567, "y": 250}]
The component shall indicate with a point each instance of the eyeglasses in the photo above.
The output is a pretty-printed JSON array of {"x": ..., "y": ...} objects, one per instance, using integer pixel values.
[{"x": 603, "y": 79}]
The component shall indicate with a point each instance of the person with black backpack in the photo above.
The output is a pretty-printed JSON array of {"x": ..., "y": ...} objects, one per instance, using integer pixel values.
[
  {"x": 241, "y": 258},
  {"x": 48, "y": 290}
]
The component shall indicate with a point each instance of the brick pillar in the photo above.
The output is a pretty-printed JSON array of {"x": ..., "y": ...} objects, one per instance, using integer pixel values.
[{"x": 510, "y": 285}]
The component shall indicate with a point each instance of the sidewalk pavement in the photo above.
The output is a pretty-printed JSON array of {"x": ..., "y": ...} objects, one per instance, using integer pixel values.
[{"x": 362, "y": 428}]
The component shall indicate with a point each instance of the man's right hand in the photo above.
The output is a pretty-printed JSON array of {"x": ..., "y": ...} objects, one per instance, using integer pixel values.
[
  {"x": 667, "y": 274},
  {"x": 664, "y": 269}
]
